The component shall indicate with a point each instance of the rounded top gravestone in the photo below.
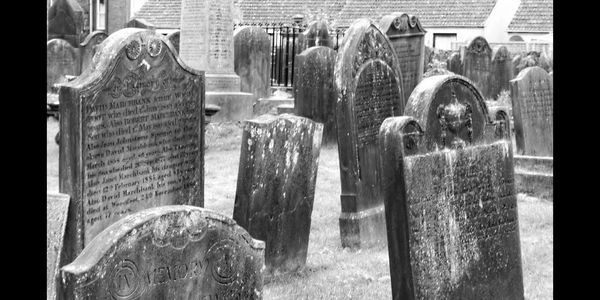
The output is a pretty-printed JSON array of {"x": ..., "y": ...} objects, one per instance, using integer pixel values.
[
  {"x": 62, "y": 59},
  {"x": 316, "y": 34},
  {"x": 477, "y": 64}
]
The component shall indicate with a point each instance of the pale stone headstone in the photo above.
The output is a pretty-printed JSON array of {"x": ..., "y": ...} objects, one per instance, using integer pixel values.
[
  {"x": 57, "y": 207},
  {"x": 62, "y": 59},
  {"x": 252, "y": 49},
  {"x": 477, "y": 65},
  {"x": 316, "y": 33},
  {"x": 66, "y": 21}
]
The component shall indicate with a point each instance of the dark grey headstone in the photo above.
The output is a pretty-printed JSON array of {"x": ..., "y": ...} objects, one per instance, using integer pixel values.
[
  {"x": 57, "y": 206},
  {"x": 369, "y": 90},
  {"x": 173, "y": 37},
  {"x": 477, "y": 65},
  {"x": 132, "y": 134},
  {"x": 502, "y": 71},
  {"x": 453, "y": 229},
  {"x": 66, "y": 21},
  {"x": 408, "y": 39},
  {"x": 61, "y": 59},
  {"x": 252, "y": 60},
  {"x": 516, "y": 61},
  {"x": 454, "y": 63},
  {"x": 533, "y": 109},
  {"x": 276, "y": 186},
  {"x": 168, "y": 252},
  {"x": 89, "y": 47},
  {"x": 314, "y": 92}
]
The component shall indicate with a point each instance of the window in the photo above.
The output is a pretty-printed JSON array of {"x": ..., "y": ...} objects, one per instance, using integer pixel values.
[
  {"x": 99, "y": 14},
  {"x": 443, "y": 41}
]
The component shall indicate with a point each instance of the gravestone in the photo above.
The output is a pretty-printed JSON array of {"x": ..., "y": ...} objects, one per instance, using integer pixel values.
[
  {"x": 140, "y": 23},
  {"x": 408, "y": 39},
  {"x": 89, "y": 47},
  {"x": 132, "y": 134},
  {"x": 501, "y": 120},
  {"x": 477, "y": 65},
  {"x": 57, "y": 206},
  {"x": 206, "y": 43},
  {"x": 454, "y": 63},
  {"x": 173, "y": 37},
  {"x": 169, "y": 252},
  {"x": 66, "y": 21},
  {"x": 369, "y": 89},
  {"x": 428, "y": 58},
  {"x": 502, "y": 71},
  {"x": 62, "y": 59},
  {"x": 441, "y": 103},
  {"x": 315, "y": 34},
  {"x": 276, "y": 186},
  {"x": 314, "y": 92},
  {"x": 516, "y": 61},
  {"x": 252, "y": 49},
  {"x": 436, "y": 71},
  {"x": 533, "y": 110},
  {"x": 453, "y": 228}
]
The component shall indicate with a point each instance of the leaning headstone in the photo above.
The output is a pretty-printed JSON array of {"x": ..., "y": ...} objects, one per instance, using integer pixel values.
[
  {"x": 454, "y": 63},
  {"x": 62, "y": 59},
  {"x": 140, "y": 23},
  {"x": 89, "y": 47},
  {"x": 169, "y": 252},
  {"x": 408, "y": 39},
  {"x": 276, "y": 186},
  {"x": 502, "y": 71},
  {"x": 314, "y": 92},
  {"x": 452, "y": 221},
  {"x": 477, "y": 65},
  {"x": 132, "y": 134},
  {"x": 533, "y": 110},
  {"x": 66, "y": 21},
  {"x": 369, "y": 90},
  {"x": 252, "y": 50},
  {"x": 57, "y": 206},
  {"x": 173, "y": 37}
]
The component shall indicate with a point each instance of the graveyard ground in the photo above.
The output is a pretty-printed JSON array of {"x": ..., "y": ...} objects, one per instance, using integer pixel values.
[{"x": 331, "y": 271}]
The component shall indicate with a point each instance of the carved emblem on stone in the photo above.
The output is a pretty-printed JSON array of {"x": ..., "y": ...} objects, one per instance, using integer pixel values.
[
  {"x": 125, "y": 280},
  {"x": 401, "y": 23},
  {"x": 453, "y": 118},
  {"x": 154, "y": 47},
  {"x": 224, "y": 258},
  {"x": 133, "y": 49},
  {"x": 116, "y": 88}
]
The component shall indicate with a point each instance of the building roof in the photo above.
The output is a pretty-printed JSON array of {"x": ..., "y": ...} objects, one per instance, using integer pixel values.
[
  {"x": 533, "y": 16},
  {"x": 161, "y": 13},
  {"x": 282, "y": 11}
]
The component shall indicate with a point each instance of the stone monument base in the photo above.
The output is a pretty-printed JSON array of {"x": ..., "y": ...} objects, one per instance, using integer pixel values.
[
  {"x": 235, "y": 106},
  {"x": 363, "y": 228},
  {"x": 534, "y": 176}
]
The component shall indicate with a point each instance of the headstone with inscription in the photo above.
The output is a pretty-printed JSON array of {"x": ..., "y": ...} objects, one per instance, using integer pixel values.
[
  {"x": 62, "y": 59},
  {"x": 315, "y": 34},
  {"x": 206, "y": 43},
  {"x": 502, "y": 71},
  {"x": 452, "y": 221},
  {"x": 57, "y": 206},
  {"x": 66, "y": 21},
  {"x": 252, "y": 49},
  {"x": 408, "y": 39},
  {"x": 454, "y": 63},
  {"x": 533, "y": 111},
  {"x": 89, "y": 47},
  {"x": 477, "y": 65},
  {"x": 276, "y": 186},
  {"x": 173, "y": 37},
  {"x": 132, "y": 134},
  {"x": 314, "y": 92},
  {"x": 369, "y": 89},
  {"x": 169, "y": 252}
]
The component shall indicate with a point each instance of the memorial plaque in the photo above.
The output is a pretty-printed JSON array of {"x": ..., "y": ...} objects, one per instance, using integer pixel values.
[
  {"x": 57, "y": 206},
  {"x": 477, "y": 65},
  {"x": 173, "y": 37},
  {"x": 454, "y": 63},
  {"x": 453, "y": 230},
  {"x": 533, "y": 110},
  {"x": 276, "y": 186},
  {"x": 502, "y": 71},
  {"x": 66, "y": 21},
  {"x": 408, "y": 39},
  {"x": 253, "y": 60},
  {"x": 369, "y": 89},
  {"x": 61, "y": 60},
  {"x": 315, "y": 34},
  {"x": 169, "y": 252},
  {"x": 132, "y": 134},
  {"x": 314, "y": 92},
  {"x": 89, "y": 47}
]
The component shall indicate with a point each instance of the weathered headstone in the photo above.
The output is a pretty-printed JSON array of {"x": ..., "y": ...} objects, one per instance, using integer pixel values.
[
  {"x": 66, "y": 21},
  {"x": 89, "y": 47},
  {"x": 140, "y": 23},
  {"x": 61, "y": 59},
  {"x": 533, "y": 111},
  {"x": 276, "y": 186},
  {"x": 408, "y": 39},
  {"x": 132, "y": 134},
  {"x": 477, "y": 65},
  {"x": 502, "y": 71},
  {"x": 169, "y": 252},
  {"x": 501, "y": 120},
  {"x": 369, "y": 90},
  {"x": 454, "y": 63},
  {"x": 57, "y": 206},
  {"x": 453, "y": 229},
  {"x": 315, "y": 34},
  {"x": 314, "y": 92},
  {"x": 428, "y": 58},
  {"x": 516, "y": 61},
  {"x": 173, "y": 37},
  {"x": 252, "y": 49}
]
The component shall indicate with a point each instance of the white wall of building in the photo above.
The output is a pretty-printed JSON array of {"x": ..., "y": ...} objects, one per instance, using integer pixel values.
[
  {"x": 496, "y": 26},
  {"x": 462, "y": 34}
]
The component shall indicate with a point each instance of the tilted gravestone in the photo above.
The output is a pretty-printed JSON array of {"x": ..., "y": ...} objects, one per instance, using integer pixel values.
[
  {"x": 89, "y": 47},
  {"x": 533, "y": 111},
  {"x": 132, "y": 134},
  {"x": 502, "y": 71},
  {"x": 315, "y": 34},
  {"x": 168, "y": 252},
  {"x": 173, "y": 37},
  {"x": 454, "y": 63},
  {"x": 62, "y": 59},
  {"x": 453, "y": 229},
  {"x": 276, "y": 186},
  {"x": 57, "y": 206},
  {"x": 314, "y": 92},
  {"x": 66, "y": 21},
  {"x": 477, "y": 65},
  {"x": 252, "y": 50},
  {"x": 408, "y": 39},
  {"x": 369, "y": 90}
]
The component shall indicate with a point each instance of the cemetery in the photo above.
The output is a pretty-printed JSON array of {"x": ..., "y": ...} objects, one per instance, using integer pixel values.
[{"x": 327, "y": 151}]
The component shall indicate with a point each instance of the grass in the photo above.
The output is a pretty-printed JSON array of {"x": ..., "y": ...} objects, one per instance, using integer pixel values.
[{"x": 332, "y": 272}]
